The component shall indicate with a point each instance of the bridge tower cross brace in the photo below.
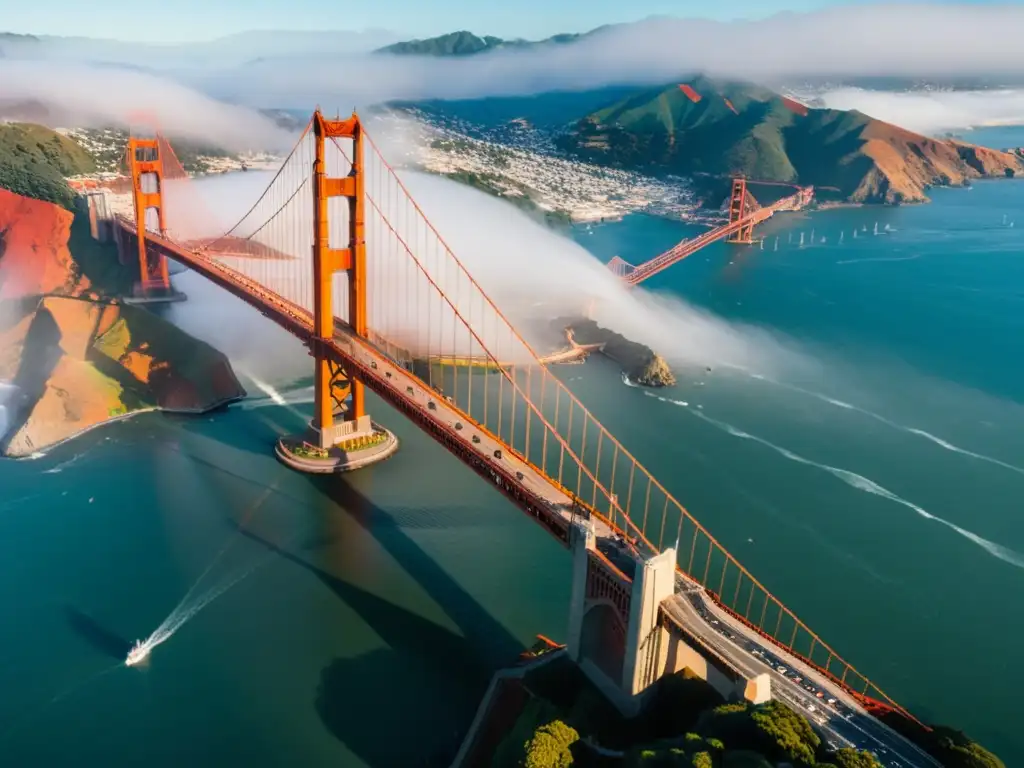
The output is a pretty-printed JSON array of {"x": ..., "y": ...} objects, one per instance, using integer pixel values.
[
  {"x": 332, "y": 382},
  {"x": 146, "y": 166},
  {"x": 737, "y": 211}
]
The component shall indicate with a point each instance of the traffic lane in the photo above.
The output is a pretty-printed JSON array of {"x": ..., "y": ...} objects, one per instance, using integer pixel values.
[
  {"x": 869, "y": 732},
  {"x": 842, "y": 732},
  {"x": 421, "y": 394},
  {"x": 750, "y": 667},
  {"x": 851, "y": 711}
]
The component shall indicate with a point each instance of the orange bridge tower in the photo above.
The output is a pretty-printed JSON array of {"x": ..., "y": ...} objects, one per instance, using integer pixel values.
[
  {"x": 340, "y": 432},
  {"x": 739, "y": 200},
  {"x": 146, "y": 167}
]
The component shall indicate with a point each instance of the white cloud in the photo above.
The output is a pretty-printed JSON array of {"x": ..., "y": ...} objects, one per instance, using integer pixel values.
[
  {"x": 526, "y": 268},
  {"x": 91, "y": 95},
  {"x": 934, "y": 111},
  {"x": 918, "y": 39}
]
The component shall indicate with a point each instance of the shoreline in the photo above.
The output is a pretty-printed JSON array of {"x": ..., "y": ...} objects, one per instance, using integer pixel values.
[{"x": 41, "y": 452}]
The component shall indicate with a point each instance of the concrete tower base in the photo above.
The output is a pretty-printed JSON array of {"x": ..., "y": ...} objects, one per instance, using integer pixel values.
[{"x": 346, "y": 446}]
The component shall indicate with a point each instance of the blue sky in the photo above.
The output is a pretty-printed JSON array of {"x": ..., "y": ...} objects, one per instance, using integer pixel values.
[{"x": 194, "y": 20}]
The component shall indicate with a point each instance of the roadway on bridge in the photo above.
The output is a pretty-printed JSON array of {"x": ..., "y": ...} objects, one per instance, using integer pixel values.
[
  {"x": 435, "y": 407},
  {"x": 835, "y": 712}
]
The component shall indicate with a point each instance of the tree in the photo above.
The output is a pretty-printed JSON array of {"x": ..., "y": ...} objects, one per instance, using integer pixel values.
[
  {"x": 851, "y": 758},
  {"x": 791, "y": 733},
  {"x": 955, "y": 750},
  {"x": 771, "y": 729},
  {"x": 550, "y": 746}
]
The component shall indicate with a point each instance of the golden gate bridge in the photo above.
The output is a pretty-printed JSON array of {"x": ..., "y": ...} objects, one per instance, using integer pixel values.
[
  {"x": 337, "y": 252},
  {"x": 744, "y": 214}
]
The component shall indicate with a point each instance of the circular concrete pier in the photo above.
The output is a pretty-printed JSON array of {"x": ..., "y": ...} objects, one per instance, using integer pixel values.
[{"x": 296, "y": 453}]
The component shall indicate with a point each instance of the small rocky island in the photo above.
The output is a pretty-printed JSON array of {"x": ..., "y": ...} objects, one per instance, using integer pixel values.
[
  {"x": 75, "y": 357},
  {"x": 640, "y": 363}
]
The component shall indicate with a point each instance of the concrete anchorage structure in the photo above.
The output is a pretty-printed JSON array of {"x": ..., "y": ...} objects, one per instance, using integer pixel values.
[
  {"x": 339, "y": 412},
  {"x": 618, "y": 638}
]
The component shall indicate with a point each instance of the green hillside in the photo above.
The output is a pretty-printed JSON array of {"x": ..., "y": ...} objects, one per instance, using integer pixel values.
[
  {"x": 664, "y": 128},
  {"x": 720, "y": 129},
  {"x": 35, "y": 160}
]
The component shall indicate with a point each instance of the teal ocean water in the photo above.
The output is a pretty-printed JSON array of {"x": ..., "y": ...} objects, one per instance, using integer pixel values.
[{"x": 872, "y": 477}]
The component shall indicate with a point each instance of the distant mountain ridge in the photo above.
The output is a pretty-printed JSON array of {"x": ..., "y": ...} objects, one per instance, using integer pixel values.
[
  {"x": 465, "y": 43},
  {"x": 725, "y": 128}
]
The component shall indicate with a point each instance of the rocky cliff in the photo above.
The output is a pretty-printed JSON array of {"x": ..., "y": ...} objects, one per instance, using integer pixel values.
[
  {"x": 640, "y": 363},
  {"x": 77, "y": 357}
]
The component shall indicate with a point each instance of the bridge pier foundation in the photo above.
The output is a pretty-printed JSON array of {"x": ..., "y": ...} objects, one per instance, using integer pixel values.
[{"x": 345, "y": 446}]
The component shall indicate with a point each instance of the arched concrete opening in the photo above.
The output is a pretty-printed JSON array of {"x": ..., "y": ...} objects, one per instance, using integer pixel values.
[{"x": 603, "y": 639}]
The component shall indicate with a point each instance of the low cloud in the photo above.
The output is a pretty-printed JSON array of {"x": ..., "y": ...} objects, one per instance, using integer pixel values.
[
  {"x": 533, "y": 274},
  {"x": 88, "y": 95},
  {"x": 934, "y": 111},
  {"x": 877, "y": 40},
  {"x": 846, "y": 41}
]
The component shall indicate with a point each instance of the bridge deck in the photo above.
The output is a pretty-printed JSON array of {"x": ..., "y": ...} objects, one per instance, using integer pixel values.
[
  {"x": 692, "y": 608},
  {"x": 792, "y": 681}
]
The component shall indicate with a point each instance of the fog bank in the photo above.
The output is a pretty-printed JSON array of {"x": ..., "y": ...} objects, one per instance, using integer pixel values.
[
  {"x": 531, "y": 272},
  {"x": 932, "y": 112},
  {"x": 91, "y": 96}
]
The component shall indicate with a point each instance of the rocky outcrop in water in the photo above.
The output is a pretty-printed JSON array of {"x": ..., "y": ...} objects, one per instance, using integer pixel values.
[
  {"x": 76, "y": 357},
  {"x": 656, "y": 373},
  {"x": 639, "y": 362}
]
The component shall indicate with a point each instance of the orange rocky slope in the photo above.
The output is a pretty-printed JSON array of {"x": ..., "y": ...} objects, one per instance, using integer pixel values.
[
  {"x": 907, "y": 163},
  {"x": 79, "y": 359},
  {"x": 34, "y": 253}
]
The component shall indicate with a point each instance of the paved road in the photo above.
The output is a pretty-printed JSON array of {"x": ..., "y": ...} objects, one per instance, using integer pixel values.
[
  {"x": 840, "y": 718},
  {"x": 422, "y": 395}
]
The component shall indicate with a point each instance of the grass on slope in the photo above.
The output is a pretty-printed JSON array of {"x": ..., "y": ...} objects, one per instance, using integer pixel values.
[{"x": 35, "y": 160}]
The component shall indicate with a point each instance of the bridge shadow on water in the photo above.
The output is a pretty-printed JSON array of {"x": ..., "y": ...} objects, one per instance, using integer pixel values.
[{"x": 410, "y": 703}]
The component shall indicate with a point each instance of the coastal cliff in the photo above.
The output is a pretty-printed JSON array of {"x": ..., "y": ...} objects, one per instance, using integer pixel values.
[
  {"x": 76, "y": 357},
  {"x": 640, "y": 363}
]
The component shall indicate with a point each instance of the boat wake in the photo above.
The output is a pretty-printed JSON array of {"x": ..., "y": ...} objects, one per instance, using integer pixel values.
[
  {"x": 881, "y": 258},
  {"x": 290, "y": 397},
  {"x": 866, "y": 485},
  {"x": 189, "y": 606},
  {"x": 63, "y": 465},
  {"x": 196, "y": 599},
  {"x": 893, "y": 424},
  {"x": 275, "y": 397}
]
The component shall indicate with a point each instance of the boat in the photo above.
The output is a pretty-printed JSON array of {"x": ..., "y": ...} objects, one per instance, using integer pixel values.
[{"x": 138, "y": 654}]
